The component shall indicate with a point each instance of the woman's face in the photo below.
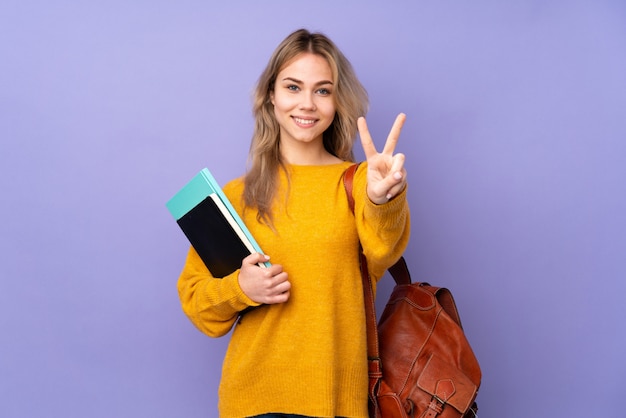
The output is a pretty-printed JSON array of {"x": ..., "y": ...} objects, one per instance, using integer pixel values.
[{"x": 303, "y": 101}]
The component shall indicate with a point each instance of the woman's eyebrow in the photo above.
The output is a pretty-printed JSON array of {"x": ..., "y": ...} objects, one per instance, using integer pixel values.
[{"x": 295, "y": 80}]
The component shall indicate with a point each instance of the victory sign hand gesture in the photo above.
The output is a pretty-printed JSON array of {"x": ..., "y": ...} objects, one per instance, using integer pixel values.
[{"x": 386, "y": 176}]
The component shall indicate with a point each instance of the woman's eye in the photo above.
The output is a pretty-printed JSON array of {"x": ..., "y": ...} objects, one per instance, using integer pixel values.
[
  {"x": 324, "y": 92},
  {"x": 292, "y": 87}
]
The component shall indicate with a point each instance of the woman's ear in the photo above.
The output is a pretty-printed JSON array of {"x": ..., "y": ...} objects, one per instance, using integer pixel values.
[{"x": 272, "y": 97}]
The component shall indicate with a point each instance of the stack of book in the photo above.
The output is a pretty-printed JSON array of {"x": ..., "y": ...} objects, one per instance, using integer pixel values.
[{"x": 211, "y": 224}]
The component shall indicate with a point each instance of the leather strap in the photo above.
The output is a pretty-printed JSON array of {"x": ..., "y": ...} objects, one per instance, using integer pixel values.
[
  {"x": 400, "y": 272},
  {"x": 368, "y": 294},
  {"x": 348, "y": 180}
]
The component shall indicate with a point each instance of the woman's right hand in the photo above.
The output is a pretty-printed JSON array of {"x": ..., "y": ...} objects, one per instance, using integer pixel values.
[{"x": 263, "y": 285}]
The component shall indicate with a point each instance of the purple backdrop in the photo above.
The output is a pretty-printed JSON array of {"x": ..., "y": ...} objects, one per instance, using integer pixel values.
[{"x": 516, "y": 153}]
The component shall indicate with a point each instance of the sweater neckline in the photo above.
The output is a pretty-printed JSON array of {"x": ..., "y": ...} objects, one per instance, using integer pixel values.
[{"x": 314, "y": 166}]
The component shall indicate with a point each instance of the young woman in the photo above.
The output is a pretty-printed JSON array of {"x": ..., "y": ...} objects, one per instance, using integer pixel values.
[{"x": 302, "y": 352}]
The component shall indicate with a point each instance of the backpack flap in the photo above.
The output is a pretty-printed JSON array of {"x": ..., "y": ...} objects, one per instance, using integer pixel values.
[{"x": 447, "y": 385}]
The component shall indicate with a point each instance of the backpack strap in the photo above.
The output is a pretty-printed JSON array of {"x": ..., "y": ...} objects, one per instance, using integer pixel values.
[
  {"x": 368, "y": 292},
  {"x": 375, "y": 371},
  {"x": 348, "y": 180}
]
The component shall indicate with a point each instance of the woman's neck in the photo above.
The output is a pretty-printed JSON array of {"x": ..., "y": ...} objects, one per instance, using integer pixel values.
[{"x": 308, "y": 156}]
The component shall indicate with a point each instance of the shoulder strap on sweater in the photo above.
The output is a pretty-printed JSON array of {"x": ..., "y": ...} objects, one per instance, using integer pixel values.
[
  {"x": 368, "y": 292},
  {"x": 348, "y": 179}
]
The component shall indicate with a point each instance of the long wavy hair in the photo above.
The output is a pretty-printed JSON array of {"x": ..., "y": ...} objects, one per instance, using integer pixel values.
[{"x": 351, "y": 101}]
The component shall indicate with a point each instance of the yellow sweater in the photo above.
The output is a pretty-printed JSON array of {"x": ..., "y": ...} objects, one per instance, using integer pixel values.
[{"x": 306, "y": 356}]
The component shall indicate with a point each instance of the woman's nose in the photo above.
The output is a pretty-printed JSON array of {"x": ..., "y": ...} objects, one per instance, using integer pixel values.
[{"x": 308, "y": 102}]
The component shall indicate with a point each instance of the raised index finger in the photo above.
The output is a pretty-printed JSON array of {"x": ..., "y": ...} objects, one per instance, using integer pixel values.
[
  {"x": 394, "y": 134},
  {"x": 366, "y": 138}
]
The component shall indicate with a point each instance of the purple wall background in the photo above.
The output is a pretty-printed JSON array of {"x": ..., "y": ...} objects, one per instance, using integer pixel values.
[{"x": 516, "y": 154}]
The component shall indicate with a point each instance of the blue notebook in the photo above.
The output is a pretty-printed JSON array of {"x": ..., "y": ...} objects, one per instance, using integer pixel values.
[{"x": 212, "y": 226}]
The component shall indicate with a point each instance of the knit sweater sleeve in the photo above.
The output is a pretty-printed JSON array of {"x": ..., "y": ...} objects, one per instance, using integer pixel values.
[
  {"x": 210, "y": 303},
  {"x": 383, "y": 230}
]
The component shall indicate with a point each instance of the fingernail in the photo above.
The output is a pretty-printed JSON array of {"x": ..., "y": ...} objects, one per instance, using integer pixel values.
[{"x": 397, "y": 175}]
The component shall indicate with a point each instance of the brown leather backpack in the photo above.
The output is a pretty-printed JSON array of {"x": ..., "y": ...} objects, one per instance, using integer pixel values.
[{"x": 420, "y": 362}]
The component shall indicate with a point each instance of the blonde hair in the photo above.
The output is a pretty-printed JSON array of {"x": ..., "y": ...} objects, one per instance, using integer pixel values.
[{"x": 351, "y": 101}]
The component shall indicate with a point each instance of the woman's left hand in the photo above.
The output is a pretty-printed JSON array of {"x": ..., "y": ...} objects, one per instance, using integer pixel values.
[{"x": 386, "y": 176}]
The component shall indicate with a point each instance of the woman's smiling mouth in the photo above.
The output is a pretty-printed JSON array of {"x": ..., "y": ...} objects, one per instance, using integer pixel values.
[{"x": 304, "y": 122}]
